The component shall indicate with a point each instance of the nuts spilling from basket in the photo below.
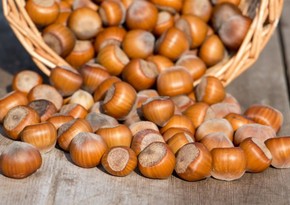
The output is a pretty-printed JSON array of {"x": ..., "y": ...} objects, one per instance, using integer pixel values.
[
  {"x": 128, "y": 100},
  {"x": 197, "y": 132}
]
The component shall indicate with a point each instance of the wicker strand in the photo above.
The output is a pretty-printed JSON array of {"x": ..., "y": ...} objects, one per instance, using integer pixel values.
[
  {"x": 272, "y": 9},
  {"x": 243, "y": 48},
  {"x": 22, "y": 10},
  {"x": 258, "y": 31},
  {"x": 29, "y": 49},
  {"x": 34, "y": 37},
  {"x": 258, "y": 42}
]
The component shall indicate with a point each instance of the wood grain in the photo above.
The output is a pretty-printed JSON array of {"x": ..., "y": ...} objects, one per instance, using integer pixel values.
[
  {"x": 60, "y": 182},
  {"x": 285, "y": 39}
]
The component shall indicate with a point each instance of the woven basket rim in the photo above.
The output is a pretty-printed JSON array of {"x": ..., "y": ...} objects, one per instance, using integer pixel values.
[{"x": 263, "y": 25}]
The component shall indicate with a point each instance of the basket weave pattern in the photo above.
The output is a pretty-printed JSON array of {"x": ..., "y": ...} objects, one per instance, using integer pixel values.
[{"x": 265, "y": 15}]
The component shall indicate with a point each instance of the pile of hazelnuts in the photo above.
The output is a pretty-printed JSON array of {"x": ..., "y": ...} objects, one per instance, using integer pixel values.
[
  {"x": 198, "y": 134},
  {"x": 128, "y": 100}
]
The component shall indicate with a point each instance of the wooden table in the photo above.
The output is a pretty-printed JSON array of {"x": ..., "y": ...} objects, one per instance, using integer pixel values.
[{"x": 60, "y": 182}]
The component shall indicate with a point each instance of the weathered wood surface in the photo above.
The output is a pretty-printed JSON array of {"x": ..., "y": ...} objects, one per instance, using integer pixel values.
[
  {"x": 60, "y": 182},
  {"x": 285, "y": 39}
]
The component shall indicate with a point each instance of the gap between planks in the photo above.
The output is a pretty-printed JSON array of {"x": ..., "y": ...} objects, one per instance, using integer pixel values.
[{"x": 282, "y": 45}]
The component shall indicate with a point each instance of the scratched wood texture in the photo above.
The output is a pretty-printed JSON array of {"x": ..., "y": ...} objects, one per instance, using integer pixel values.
[
  {"x": 285, "y": 35},
  {"x": 60, "y": 182}
]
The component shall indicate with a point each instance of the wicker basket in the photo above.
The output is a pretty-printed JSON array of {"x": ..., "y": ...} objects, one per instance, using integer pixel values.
[{"x": 265, "y": 14}]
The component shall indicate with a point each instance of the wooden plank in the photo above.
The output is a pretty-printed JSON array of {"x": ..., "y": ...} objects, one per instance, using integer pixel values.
[
  {"x": 60, "y": 182},
  {"x": 285, "y": 33}
]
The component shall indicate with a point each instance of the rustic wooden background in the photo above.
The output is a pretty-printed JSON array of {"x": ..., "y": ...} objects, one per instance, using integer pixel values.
[{"x": 60, "y": 182}]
